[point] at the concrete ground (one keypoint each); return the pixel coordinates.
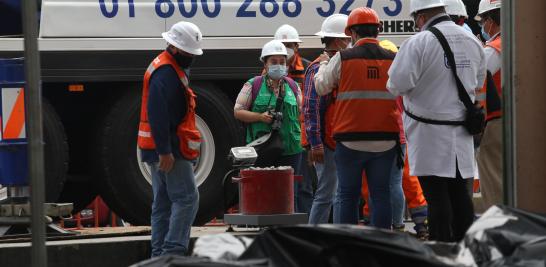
(105, 247)
(109, 246)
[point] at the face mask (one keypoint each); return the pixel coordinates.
(276, 72)
(350, 45)
(485, 35)
(290, 52)
(183, 61)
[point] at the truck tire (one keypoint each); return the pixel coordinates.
(79, 190)
(216, 114)
(126, 182)
(55, 153)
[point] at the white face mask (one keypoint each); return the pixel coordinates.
(276, 71)
(350, 45)
(290, 52)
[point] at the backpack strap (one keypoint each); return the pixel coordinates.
(292, 84)
(256, 84)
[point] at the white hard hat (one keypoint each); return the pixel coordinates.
(486, 6)
(272, 48)
(456, 8)
(418, 5)
(185, 36)
(287, 34)
(334, 26)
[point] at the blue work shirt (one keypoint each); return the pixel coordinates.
(167, 106)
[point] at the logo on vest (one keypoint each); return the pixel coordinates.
(373, 73)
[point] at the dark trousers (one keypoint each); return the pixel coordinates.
(291, 161)
(450, 209)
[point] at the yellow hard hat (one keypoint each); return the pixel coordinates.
(389, 45)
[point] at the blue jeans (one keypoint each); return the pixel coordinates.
(397, 193)
(326, 187)
(350, 166)
(175, 204)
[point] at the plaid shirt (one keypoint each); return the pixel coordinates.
(314, 109)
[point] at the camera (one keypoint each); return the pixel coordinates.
(277, 119)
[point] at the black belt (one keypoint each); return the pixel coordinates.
(431, 121)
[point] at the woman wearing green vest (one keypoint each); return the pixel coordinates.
(255, 101)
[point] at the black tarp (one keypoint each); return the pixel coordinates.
(505, 236)
(340, 246)
(501, 237)
(179, 261)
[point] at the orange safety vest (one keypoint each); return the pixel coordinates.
(188, 135)
(497, 111)
(297, 68)
(328, 116)
(365, 109)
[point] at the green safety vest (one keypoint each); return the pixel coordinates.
(290, 128)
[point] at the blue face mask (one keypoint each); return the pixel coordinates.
(276, 72)
(485, 35)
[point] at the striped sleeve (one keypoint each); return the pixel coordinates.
(311, 109)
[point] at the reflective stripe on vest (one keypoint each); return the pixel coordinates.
(368, 95)
(365, 109)
(187, 133)
(145, 134)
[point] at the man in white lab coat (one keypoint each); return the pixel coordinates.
(442, 156)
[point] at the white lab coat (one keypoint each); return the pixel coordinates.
(420, 74)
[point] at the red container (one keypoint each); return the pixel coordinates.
(266, 192)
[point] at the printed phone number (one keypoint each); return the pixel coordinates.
(266, 8)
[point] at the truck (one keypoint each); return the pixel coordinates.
(94, 54)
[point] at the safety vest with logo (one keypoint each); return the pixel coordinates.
(188, 135)
(495, 110)
(365, 109)
(328, 138)
(290, 128)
